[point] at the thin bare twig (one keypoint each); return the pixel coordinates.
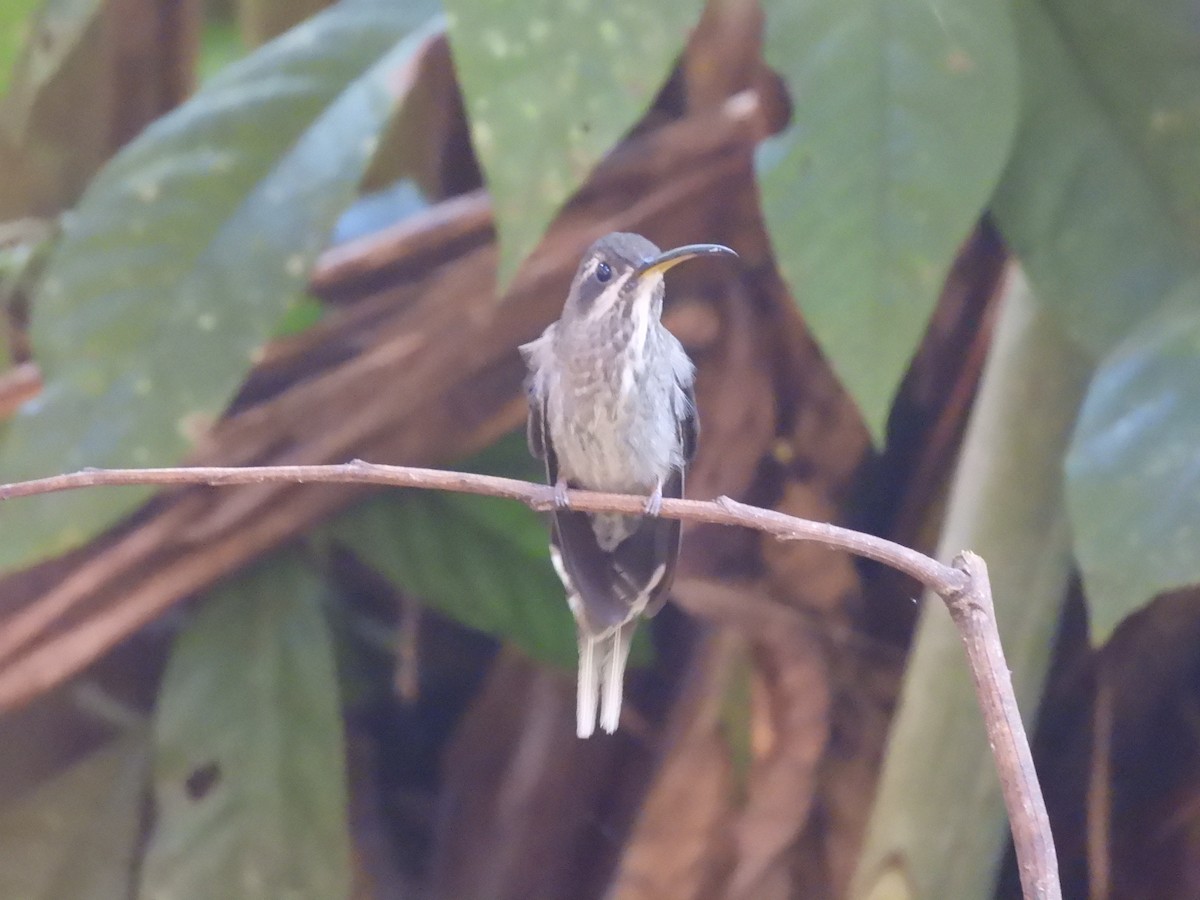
(975, 618)
(964, 587)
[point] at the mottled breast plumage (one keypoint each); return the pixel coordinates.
(613, 419)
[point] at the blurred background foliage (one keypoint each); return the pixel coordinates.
(972, 245)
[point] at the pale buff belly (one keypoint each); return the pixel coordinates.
(608, 442)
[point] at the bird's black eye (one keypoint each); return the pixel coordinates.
(603, 272)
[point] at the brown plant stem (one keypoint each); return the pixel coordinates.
(964, 587)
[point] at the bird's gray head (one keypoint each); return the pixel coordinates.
(622, 274)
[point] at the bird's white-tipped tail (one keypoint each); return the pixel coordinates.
(602, 660)
(587, 696)
(613, 675)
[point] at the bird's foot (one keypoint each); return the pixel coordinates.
(561, 500)
(654, 501)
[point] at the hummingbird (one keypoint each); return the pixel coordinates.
(612, 408)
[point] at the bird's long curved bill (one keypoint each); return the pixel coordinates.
(664, 261)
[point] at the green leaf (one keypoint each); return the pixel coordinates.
(250, 782)
(1133, 471)
(903, 112)
(184, 254)
(47, 43)
(550, 87)
(16, 19)
(1142, 63)
(479, 560)
(1094, 200)
(56, 118)
(220, 42)
(304, 312)
(76, 835)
